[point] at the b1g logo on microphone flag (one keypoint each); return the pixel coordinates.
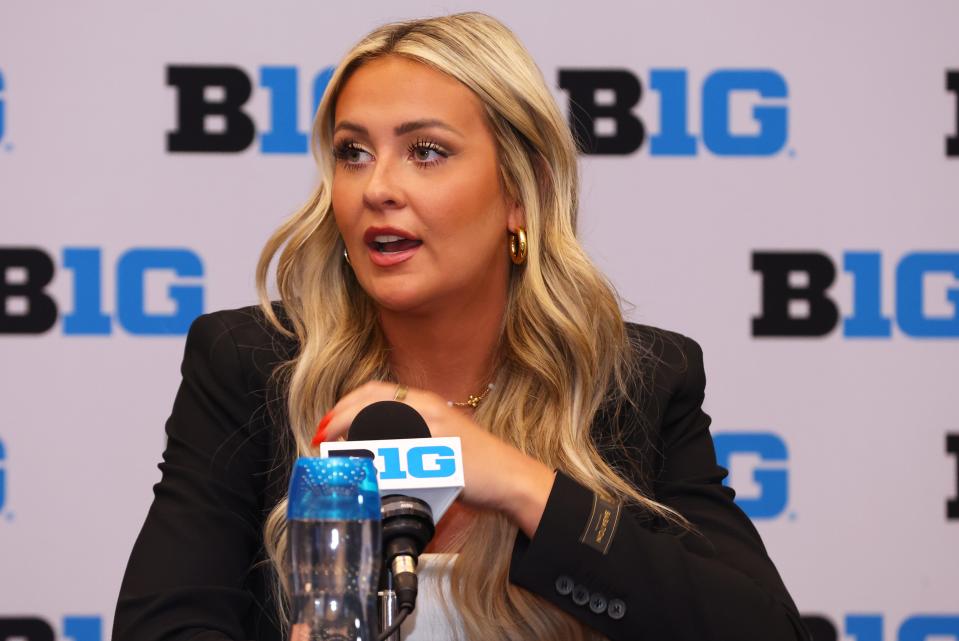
(601, 104)
(430, 469)
(425, 462)
(795, 299)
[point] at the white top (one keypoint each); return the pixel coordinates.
(431, 621)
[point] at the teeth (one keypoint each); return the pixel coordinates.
(387, 239)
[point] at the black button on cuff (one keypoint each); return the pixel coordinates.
(564, 585)
(597, 604)
(580, 595)
(616, 609)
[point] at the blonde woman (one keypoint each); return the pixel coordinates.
(437, 261)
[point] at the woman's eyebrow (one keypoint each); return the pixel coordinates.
(349, 126)
(399, 130)
(407, 127)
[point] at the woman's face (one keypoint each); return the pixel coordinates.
(416, 190)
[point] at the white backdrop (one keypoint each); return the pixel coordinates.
(862, 529)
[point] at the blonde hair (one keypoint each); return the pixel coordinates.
(564, 347)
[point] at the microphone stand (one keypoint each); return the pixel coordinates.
(388, 607)
(407, 529)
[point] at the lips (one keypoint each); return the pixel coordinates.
(390, 245)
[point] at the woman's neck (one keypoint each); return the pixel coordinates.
(450, 351)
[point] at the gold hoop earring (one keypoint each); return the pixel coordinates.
(346, 256)
(518, 249)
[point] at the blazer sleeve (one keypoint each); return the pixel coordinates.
(186, 575)
(610, 568)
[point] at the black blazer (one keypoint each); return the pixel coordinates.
(197, 570)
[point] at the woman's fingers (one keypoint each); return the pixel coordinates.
(497, 475)
(337, 421)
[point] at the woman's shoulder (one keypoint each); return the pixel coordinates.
(248, 326)
(248, 323)
(242, 339)
(669, 380)
(664, 379)
(666, 362)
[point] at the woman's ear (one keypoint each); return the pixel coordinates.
(516, 217)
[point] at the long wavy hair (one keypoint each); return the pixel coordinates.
(564, 349)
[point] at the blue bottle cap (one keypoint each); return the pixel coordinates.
(339, 488)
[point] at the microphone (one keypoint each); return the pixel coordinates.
(387, 420)
(407, 521)
(419, 477)
(407, 460)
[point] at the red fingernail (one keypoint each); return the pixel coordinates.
(321, 429)
(318, 438)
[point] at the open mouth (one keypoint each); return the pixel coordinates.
(392, 244)
(387, 241)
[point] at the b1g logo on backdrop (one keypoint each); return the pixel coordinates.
(3, 481)
(952, 505)
(601, 104)
(211, 115)
(869, 627)
(796, 301)
(3, 114)
(26, 307)
(77, 628)
(952, 85)
(765, 494)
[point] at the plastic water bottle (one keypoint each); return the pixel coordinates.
(334, 549)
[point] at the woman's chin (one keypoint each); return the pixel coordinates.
(402, 300)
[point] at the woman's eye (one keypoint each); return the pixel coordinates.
(427, 153)
(351, 153)
(354, 155)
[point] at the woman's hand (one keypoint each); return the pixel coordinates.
(497, 475)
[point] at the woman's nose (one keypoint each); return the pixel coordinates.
(384, 190)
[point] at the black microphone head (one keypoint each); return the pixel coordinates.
(387, 420)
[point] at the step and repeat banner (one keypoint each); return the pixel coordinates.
(779, 181)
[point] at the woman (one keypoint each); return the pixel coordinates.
(437, 263)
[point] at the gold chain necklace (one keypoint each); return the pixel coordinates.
(472, 401)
